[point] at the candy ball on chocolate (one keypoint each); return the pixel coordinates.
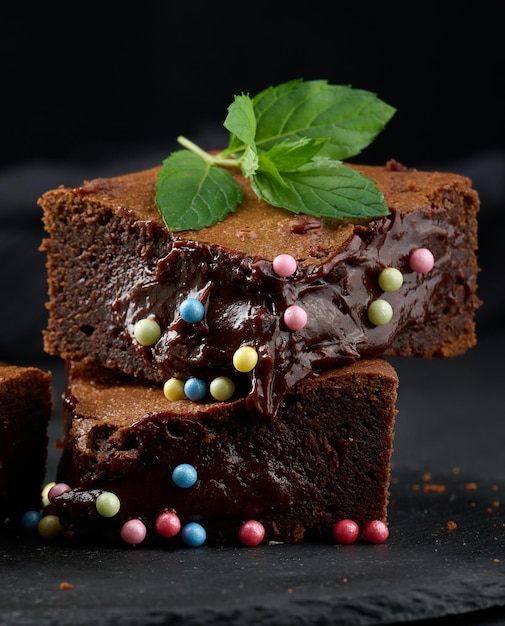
(380, 312)
(222, 388)
(147, 331)
(421, 260)
(390, 279)
(173, 389)
(107, 504)
(192, 310)
(295, 317)
(245, 359)
(195, 389)
(185, 475)
(284, 265)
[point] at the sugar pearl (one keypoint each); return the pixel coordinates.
(192, 310)
(174, 389)
(168, 524)
(421, 260)
(222, 388)
(133, 532)
(284, 265)
(346, 531)
(184, 475)
(245, 359)
(49, 527)
(380, 312)
(30, 521)
(295, 317)
(251, 533)
(195, 389)
(107, 504)
(56, 490)
(193, 534)
(147, 331)
(376, 531)
(44, 493)
(390, 279)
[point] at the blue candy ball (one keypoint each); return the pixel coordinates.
(192, 310)
(184, 475)
(195, 389)
(193, 534)
(30, 521)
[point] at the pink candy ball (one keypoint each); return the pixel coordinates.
(56, 490)
(133, 532)
(295, 317)
(421, 260)
(346, 531)
(376, 531)
(251, 533)
(168, 524)
(284, 265)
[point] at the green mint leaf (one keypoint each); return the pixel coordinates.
(249, 162)
(192, 194)
(348, 118)
(322, 188)
(241, 120)
(290, 155)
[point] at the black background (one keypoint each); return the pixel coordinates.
(85, 78)
(102, 89)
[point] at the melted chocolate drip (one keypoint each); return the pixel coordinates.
(244, 302)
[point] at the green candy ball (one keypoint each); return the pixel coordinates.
(107, 504)
(222, 388)
(147, 331)
(380, 312)
(390, 279)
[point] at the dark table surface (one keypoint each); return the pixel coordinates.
(448, 466)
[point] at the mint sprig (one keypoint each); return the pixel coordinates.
(289, 141)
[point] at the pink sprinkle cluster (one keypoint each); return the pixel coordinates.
(347, 531)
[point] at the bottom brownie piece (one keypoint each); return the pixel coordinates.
(25, 410)
(325, 457)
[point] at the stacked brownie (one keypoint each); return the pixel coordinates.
(248, 354)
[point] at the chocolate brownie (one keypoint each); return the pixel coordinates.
(111, 263)
(325, 457)
(25, 410)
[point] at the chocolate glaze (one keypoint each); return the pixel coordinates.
(244, 303)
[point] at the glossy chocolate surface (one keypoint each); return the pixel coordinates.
(244, 303)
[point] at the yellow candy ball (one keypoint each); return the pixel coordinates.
(147, 331)
(174, 389)
(49, 527)
(45, 492)
(245, 359)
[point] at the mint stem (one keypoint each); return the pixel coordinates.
(208, 158)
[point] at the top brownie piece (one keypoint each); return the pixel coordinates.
(111, 262)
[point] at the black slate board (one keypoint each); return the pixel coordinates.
(450, 415)
(423, 571)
